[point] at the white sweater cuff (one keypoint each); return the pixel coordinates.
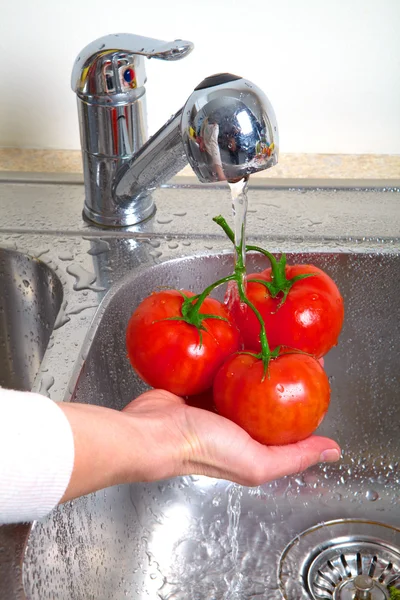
(36, 455)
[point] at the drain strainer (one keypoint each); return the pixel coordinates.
(349, 559)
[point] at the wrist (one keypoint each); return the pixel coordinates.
(102, 448)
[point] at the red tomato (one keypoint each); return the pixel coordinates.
(171, 354)
(310, 319)
(285, 407)
(204, 401)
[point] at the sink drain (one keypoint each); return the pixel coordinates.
(348, 559)
(333, 573)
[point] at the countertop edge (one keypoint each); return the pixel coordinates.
(182, 181)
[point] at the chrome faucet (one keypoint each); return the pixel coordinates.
(226, 130)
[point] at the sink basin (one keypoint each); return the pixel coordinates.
(30, 298)
(195, 538)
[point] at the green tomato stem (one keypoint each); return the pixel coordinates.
(279, 284)
(221, 221)
(394, 593)
(191, 305)
(278, 268)
(238, 277)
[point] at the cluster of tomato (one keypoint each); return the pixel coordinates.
(210, 352)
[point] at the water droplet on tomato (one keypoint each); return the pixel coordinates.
(280, 388)
(314, 297)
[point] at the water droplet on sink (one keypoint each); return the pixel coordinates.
(164, 220)
(300, 481)
(62, 318)
(66, 256)
(173, 245)
(180, 214)
(81, 308)
(155, 243)
(99, 246)
(371, 495)
(84, 279)
(45, 384)
(41, 252)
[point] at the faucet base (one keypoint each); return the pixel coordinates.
(137, 214)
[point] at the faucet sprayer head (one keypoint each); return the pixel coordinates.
(229, 129)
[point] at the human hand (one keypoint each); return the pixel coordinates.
(180, 439)
(158, 436)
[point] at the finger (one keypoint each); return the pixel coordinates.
(295, 458)
(257, 464)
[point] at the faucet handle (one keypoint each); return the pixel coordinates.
(113, 64)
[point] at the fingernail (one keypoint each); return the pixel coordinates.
(331, 455)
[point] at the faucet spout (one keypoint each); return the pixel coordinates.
(229, 129)
(226, 131)
(159, 159)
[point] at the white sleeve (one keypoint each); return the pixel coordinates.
(210, 136)
(36, 455)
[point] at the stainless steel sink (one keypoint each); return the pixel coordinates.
(30, 298)
(196, 538)
(193, 537)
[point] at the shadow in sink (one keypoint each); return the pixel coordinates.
(30, 298)
(177, 538)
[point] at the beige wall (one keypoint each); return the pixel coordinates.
(331, 68)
